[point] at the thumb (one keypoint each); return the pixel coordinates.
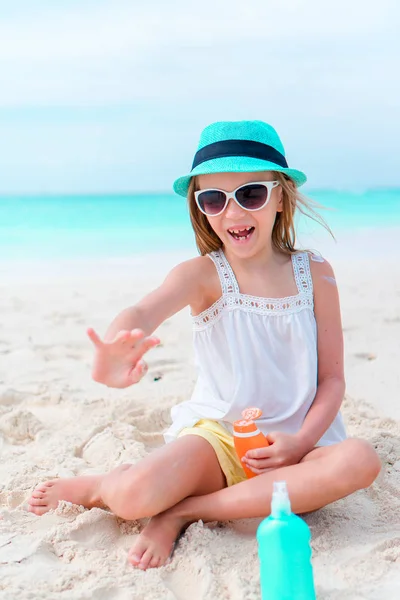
(272, 437)
(138, 372)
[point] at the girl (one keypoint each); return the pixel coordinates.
(267, 333)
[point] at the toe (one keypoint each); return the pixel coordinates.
(38, 494)
(38, 510)
(137, 551)
(46, 485)
(37, 502)
(135, 556)
(155, 562)
(146, 559)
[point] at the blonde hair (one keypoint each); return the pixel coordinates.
(283, 232)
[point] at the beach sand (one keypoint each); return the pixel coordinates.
(56, 422)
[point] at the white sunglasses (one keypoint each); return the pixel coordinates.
(251, 196)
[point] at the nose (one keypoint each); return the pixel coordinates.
(233, 210)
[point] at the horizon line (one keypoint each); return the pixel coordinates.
(59, 193)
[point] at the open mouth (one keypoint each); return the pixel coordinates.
(241, 235)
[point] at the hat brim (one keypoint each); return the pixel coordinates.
(235, 164)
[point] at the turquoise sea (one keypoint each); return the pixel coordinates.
(121, 225)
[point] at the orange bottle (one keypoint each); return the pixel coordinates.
(247, 436)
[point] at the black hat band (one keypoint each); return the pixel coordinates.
(239, 148)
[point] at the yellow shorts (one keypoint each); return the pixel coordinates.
(222, 442)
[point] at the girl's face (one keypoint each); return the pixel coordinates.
(245, 233)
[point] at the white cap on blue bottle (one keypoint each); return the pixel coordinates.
(280, 503)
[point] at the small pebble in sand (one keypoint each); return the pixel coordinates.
(366, 355)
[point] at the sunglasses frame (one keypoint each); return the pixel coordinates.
(270, 185)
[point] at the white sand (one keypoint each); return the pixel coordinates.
(55, 422)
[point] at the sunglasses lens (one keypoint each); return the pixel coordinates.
(252, 196)
(212, 201)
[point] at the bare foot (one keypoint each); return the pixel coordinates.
(156, 542)
(78, 490)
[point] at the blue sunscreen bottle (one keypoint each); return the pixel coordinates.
(284, 551)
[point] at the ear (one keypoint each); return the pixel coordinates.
(279, 204)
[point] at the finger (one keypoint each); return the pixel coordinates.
(150, 340)
(258, 453)
(121, 336)
(94, 337)
(136, 335)
(146, 345)
(138, 371)
(260, 463)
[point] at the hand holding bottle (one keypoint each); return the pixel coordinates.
(283, 450)
(118, 363)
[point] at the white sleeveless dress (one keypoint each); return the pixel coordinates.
(254, 351)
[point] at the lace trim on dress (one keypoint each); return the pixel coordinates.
(255, 304)
(302, 273)
(232, 299)
(229, 285)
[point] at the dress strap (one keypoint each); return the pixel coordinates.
(302, 273)
(229, 285)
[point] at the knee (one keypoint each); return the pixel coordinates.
(362, 462)
(129, 492)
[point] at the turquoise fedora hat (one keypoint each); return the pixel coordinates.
(238, 147)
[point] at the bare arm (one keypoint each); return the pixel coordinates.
(288, 449)
(331, 382)
(118, 360)
(180, 287)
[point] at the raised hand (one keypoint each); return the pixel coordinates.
(119, 363)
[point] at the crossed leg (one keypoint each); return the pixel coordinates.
(183, 482)
(323, 476)
(186, 467)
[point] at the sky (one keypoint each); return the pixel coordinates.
(103, 96)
